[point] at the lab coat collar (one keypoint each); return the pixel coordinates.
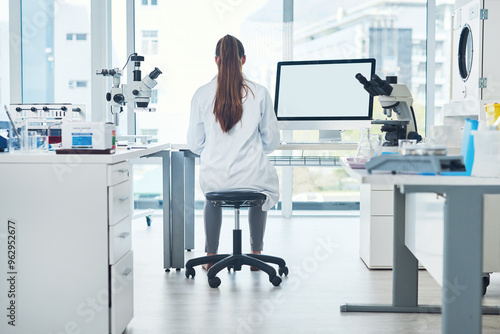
(244, 77)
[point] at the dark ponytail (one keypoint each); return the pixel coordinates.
(231, 86)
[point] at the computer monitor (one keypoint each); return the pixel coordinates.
(323, 94)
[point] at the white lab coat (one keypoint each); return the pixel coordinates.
(236, 161)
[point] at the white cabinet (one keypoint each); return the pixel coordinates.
(376, 225)
(71, 266)
(425, 229)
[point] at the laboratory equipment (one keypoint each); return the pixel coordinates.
(138, 92)
(365, 150)
(492, 115)
(475, 74)
(34, 135)
(423, 150)
(88, 138)
(323, 95)
(486, 153)
(43, 120)
(4, 136)
(475, 70)
(395, 98)
(396, 163)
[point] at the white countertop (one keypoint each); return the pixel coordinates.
(412, 179)
(121, 154)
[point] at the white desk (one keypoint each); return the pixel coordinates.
(183, 183)
(463, 252)
(71, 263)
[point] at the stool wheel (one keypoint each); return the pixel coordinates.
(214, 282)
(190, 272)
(486, 283)
(283, 271)
(276, 280)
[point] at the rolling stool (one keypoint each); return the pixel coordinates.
(237, 199)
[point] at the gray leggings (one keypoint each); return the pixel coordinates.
(213, 221)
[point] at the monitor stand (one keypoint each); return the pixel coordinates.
(330, 135)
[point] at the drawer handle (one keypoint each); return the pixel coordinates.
(124, 198)
(127, 272)
(123, 171)
(124, 235)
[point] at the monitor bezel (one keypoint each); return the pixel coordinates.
(323, 118)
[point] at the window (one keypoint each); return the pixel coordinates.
(77, 37)
(4, 57)
(77, 84)
(154, 96)
(47, 59)
(149, 2)
(149, 42)
(150, 132)
(81, 37)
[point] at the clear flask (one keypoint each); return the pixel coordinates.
(365, 150)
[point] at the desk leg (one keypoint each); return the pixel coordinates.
(177, 199)
(405, 264)
(167, 235)
(167, 260)
(189, 200)
(462, 268)
(404, 272)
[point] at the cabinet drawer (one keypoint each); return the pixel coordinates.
(120, 239)
(122, 293)
(118, 173)
(118, 202)
(382, 203)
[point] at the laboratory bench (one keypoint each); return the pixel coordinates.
(183, 185)
(467, 204)
(65, 235)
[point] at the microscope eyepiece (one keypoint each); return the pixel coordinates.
(382, 86)
(377, 80)
(155, 73)
(361, 79)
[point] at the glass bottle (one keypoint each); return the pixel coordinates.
(365, 150)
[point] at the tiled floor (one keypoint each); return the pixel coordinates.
(325, 272)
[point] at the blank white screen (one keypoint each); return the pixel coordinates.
(323, 90)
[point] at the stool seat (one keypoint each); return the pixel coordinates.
(237, 199)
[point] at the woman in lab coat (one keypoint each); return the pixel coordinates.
(232, 127)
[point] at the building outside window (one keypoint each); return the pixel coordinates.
(77, 84)
(76, 37)
(149, 42)
(48, 60)
(149, 2)
(4, 57)
(154, 96)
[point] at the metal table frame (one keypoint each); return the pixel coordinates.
(463, 258)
